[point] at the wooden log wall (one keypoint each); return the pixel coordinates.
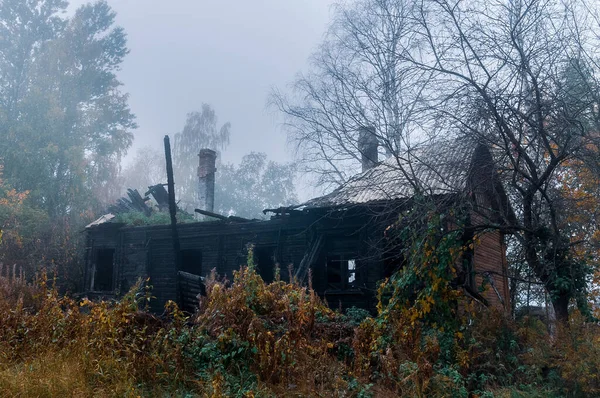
(146, 251)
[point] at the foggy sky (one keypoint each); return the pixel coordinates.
(227, 53)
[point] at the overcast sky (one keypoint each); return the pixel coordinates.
(227, 53)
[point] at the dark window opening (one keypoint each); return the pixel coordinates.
(191, 261)
(264, 260)
(342, 272)
(103, 278)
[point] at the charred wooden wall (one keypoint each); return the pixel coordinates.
(147, 252)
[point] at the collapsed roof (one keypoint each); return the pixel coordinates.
(437, 168)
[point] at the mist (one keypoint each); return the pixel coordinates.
(224, 53)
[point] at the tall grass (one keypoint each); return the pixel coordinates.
(250, 338)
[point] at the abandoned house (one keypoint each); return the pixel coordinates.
(339, 236)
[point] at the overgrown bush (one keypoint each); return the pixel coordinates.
(250, 338)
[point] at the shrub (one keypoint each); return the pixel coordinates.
(250, 338)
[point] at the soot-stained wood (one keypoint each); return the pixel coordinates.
(347, 253)
(222, 245)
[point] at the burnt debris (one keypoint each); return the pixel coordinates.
(132, 202)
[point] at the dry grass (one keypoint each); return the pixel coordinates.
(255, 339)
(70, 375)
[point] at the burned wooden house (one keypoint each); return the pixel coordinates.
(340, 236)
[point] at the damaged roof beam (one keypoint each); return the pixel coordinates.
(221, 217)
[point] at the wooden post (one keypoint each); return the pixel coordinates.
(173, 214)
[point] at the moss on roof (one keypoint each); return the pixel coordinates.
(136, 218)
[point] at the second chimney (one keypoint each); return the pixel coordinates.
(206, 179)
(368, 147)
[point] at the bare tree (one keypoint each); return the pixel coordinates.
(357, 85)
(519, 75)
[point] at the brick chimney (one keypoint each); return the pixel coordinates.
(206, 179)
(368, 147)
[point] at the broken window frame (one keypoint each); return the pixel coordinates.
(348, 273)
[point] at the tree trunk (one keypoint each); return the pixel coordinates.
(561, 308)
(560, 299)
